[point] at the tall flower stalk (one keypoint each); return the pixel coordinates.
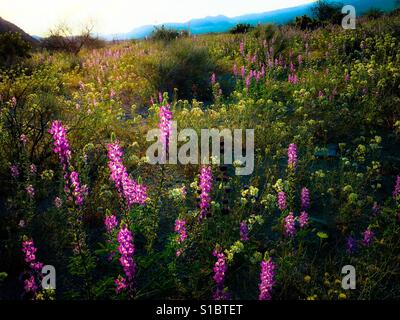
(165, 126)
(396, 190)
(129, 190)
(267, 279)
(282, 201)
(289, 225)
(292, 155)
(127, 249)
(76, 194)
(180, 229)
(220, 268)
(31, 284)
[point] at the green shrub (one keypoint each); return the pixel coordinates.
(13, 49)
(164, 34)
(183, 66)
(241, 28)
(326, 12)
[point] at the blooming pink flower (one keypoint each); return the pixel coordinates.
(290, 229)
(28, 248)
(127, 249)
(61, 144)
(33, 169)
(368, 237)
(205, 188)
(282, 201)
(242, 48)
(111, 223)
(165, 126)
(23, 138)
(303, 219)
(127, 188)
(220, 268)
(57, 202)
(213, 79)
(180, 228)
(30, 191)
(14, 171)
(292, 155)
(14, 101)
(244, 231)
(305, 198)
(267, 279)
(396, 190)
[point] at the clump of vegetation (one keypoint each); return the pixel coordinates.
(184, 66)
(13, 49)
(241, 28)
(165, 34)
(62, 38)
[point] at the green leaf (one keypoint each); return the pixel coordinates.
(322, 235)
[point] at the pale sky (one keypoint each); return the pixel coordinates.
(114, 16)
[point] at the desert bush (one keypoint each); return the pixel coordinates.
(13, 49)
(327, 12)
(241, 28)
(61, 38)
(166, 34)
(183, 66)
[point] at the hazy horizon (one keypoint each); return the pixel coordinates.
(123, 15)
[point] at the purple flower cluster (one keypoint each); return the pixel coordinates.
(180, 228)
(30, 190)
(205, 188)
(78, 191)
(292, 155)
(127, 188)
(14, 171)
(267, 278)
(62, 148)
(303, 219)
(244, 231)
(350, 245)
(213, 79)
(289, 224)
(23, 138)
(293, 79)
(282, 201)
(28, 248)
(127, 249)
(57, 202)
(33, 169)
(305, 198)
(396, 191)
(242, 48)
(220, 268)
(376, 209)
(111, 223)
(61, 144)
(368, 237)
(165, 126)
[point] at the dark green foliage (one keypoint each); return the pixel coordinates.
(13, 49)
(327, 12)
(166, 34)
(241, 28)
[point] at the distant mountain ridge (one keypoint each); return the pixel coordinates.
(222, 23)
(6, 26)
